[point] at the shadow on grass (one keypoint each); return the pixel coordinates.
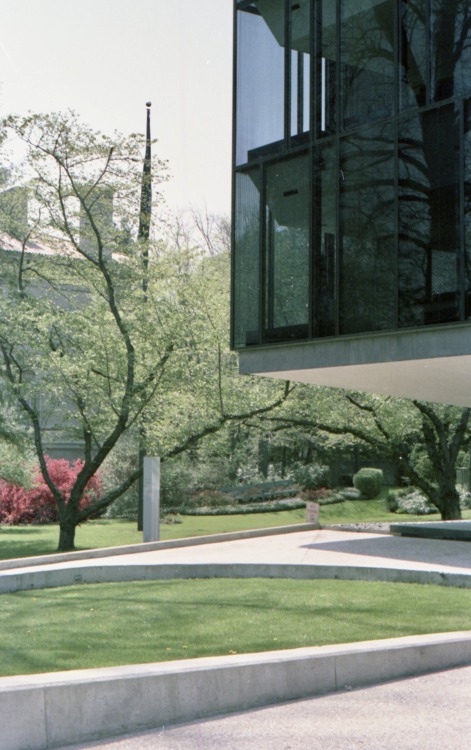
(23, 542)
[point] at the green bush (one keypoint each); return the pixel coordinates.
(410, 501)
(242, 510)
(465, 498)
(349, 493)
(312, 477)
(392, 502)
(368, 482)
(262, 491)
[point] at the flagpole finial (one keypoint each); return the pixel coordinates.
(148, 105)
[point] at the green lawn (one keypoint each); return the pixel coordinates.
(129, 623)
(25, 541)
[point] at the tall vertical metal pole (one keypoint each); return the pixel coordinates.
(145, 216)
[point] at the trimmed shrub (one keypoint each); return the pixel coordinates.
(236, 510)
(349, 493)
(261, 492)
(368, 482)
(410, 501)
(20, 505)
(465, 498)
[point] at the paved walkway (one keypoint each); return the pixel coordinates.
(313, 547)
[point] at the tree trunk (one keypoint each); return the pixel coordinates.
(263, 457)
(450, 505)
(66, 536)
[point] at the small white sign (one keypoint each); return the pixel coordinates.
(312, 512)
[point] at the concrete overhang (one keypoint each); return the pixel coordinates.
(432, 364)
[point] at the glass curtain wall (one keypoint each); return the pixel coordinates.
(353, 162)
(325, 190)
(367, 41)
(367, 231)
(429, 217)
(466, 275)
(260, 95)
(287, 243)
(246, 261)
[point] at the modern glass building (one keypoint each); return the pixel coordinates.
(352, 194)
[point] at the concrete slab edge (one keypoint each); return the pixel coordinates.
(130, 549)
(41, 712)
(11, 581)
(457, 531)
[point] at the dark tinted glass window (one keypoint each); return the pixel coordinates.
(246, 279)
(451, 47)
(413, 36)
(287, 249)
(368, 259)
(300, 31)
(467, 210)
(367, 61)
(326, 67)
(429, 217)
(326, 180)
(260, 78)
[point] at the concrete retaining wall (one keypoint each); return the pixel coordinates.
(49, 711)
(50, 578)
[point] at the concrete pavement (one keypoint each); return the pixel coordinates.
(309, 553)
(303, 544)
(67, 707)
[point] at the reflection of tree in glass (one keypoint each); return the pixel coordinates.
(291, 280)
(367, 254)
(434, 67)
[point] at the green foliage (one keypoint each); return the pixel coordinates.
(312, 476)
(425, 441)
(120, 463)
(410, 501)
(273, 506)
(465, 498)
(113, 334)
(368, 482)
(248, 493)
(350, 493)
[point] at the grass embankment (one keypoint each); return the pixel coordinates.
(25, 541)
(83, 626)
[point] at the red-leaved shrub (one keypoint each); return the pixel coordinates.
(19, 505)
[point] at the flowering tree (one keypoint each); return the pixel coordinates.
(101, 331)
(37, 504)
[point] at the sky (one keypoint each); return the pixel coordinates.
(106, 58)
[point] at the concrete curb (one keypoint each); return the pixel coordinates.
(131, 549)
(11, 581)
(457, 531)
(46, 711)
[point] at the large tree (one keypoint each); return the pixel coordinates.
(424, 440)
(101, 332)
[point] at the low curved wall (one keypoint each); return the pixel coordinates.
(17, 580)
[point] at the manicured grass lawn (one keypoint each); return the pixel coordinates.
(25, 541)
(111, 624)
